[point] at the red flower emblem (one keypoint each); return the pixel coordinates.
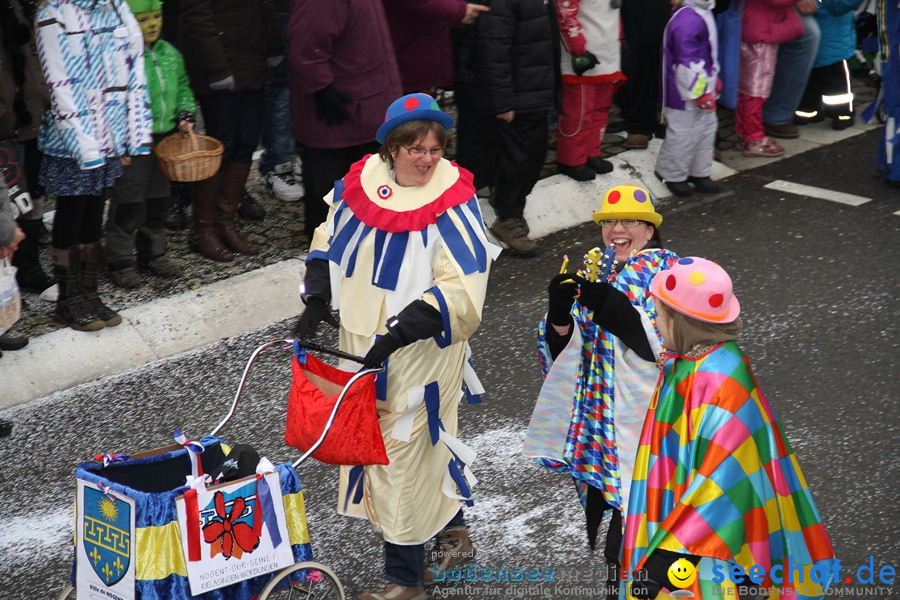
(227, 536)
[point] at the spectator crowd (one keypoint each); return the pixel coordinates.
(88, 88)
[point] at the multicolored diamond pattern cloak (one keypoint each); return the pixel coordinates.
(716, 477)
(590, 453)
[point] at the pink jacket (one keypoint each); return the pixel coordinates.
(770, 22)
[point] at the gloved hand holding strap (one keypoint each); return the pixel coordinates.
(418, 321)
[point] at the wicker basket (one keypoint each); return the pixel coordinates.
(188, 156)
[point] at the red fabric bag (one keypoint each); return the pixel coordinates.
(354, 437)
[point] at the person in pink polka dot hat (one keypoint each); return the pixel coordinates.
(711, 452)
(698, 288)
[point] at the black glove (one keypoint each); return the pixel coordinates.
(418, 321)
(583, 63)
(643, 587)
(561, 291)
(316, 312)
(593, 294)
(330, 107)
(616, 314)
(379, 351)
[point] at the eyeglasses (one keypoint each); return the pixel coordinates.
(626, 223)
(419, 151)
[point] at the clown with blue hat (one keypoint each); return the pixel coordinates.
(412, 107)
(403, 256)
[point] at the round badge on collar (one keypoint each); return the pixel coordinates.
(385, 192)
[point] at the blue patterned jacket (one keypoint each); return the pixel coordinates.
(91, 53)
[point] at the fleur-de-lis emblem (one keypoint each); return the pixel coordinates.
(108, 572)
(118, 565)
(95, 555)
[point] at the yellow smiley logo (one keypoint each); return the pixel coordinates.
(682, 573)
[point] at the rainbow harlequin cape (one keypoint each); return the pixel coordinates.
(716, 477)
(588, 417)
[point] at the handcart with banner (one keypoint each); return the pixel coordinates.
(151, 525)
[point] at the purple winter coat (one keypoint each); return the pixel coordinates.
(690, 65)
(420, 30)
(345, 43)
(770, 22)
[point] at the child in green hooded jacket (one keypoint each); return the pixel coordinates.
(141, 196)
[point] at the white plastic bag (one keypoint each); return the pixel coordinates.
(10, 299)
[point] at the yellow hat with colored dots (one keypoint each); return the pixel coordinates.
(628, 202)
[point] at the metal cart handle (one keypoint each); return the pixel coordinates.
(288, 345)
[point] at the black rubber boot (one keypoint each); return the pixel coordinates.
(176, 218)
(250, 209)
(31, 276)
(578, 173)
(599, 165)
(680, 188)
(705, 185)
(13, 341)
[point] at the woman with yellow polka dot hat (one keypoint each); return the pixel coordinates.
(712, 454)
(598, 346)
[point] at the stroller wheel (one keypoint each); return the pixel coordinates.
(67, 593)
(304, 581)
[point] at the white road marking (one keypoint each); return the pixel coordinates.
(897, 213)
(815, 192)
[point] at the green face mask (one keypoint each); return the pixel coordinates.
(151, 25)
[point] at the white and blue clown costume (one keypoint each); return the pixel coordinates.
(388, 247)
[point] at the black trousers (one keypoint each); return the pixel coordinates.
(641, 91)
(508, 156)
(235, 119)
(405, 565)
(594, 510)
(321, 168)
(827, 91)
(644, 22)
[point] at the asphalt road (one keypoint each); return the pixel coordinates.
(818, 282)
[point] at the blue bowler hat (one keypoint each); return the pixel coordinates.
(411, 107)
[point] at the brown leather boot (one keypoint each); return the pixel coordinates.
(234, 176)
(452, 548)
(71, 307)
(203, 238)
(93, 257)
